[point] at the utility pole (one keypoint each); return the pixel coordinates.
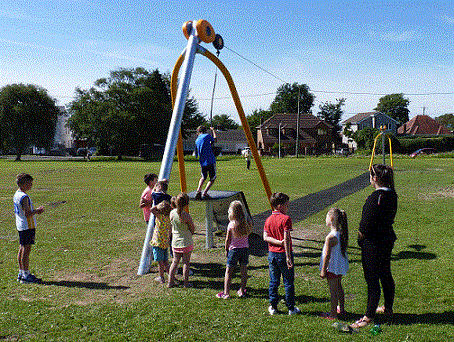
(298, 123)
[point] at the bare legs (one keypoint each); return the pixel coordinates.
(186, 257)
(337, 295)
(23, 256)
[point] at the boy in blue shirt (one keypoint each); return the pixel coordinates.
(204, 144)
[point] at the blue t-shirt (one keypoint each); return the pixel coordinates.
(205, 150)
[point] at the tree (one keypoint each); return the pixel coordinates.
(395, 106)
(446, 120)
(224, 122)
(256, 118)
(192, 118)
(28, 116)
(332, 113)
(129, 108)
(286, 100)
(365, 137)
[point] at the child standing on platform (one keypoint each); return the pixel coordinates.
(280, 254)
(334, 261)
(161, 238)
(182, 245)
(236, 247)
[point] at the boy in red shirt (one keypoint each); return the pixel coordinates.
(280, 254)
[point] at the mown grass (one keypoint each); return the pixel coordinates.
(88, 252)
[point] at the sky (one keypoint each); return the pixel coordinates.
(357, 50)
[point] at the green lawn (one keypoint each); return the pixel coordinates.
(88, 251)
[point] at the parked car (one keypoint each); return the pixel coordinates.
(427, 150)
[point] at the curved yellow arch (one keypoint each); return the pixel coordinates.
(375, 145)
(239, 107)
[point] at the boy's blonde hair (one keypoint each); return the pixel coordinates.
(238, 213)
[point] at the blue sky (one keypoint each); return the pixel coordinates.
(359, 50)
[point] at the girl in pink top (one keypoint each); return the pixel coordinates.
(236, 247)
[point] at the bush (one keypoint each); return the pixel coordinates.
(440, 143)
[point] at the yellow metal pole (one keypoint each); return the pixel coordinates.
(180, 154)
(390, 151)
(373, 151)
(243, 119)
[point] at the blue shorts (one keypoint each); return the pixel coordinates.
(160, 254)
(27, 237)
(209, 170)
(240, 255)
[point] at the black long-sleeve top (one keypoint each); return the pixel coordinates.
(378, 217)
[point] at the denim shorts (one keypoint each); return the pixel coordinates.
(240, 255)
(160, 254)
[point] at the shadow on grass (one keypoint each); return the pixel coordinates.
(306, 206)
(83, 284)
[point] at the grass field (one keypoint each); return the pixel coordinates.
(88, 251)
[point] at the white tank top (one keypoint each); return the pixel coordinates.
(338, 264)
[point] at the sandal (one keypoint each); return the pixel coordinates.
(361, 323)
(223, 295)
(383, 310)
(242, 294)
(339, 311)
(326, 315)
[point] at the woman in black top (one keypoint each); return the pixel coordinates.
(376, 238)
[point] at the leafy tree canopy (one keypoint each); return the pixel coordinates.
(28, 116)
(224, 122)
(129, 108)
(286, 100)
(446, 120)
(332, 113)
(395, 106)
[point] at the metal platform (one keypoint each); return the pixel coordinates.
(216, 210)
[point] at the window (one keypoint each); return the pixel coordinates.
(322, 131)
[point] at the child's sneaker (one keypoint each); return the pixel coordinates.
(272, 311)
(29, 279)
(19, 277)
(295, 311)
(223, 295)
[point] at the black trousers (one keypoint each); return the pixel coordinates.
(376, 262)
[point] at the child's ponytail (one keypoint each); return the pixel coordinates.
(343, 223)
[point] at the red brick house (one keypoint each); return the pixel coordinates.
(314, 136)
(422, 125)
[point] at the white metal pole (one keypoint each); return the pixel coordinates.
(172, 137)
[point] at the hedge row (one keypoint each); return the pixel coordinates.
(411, 144)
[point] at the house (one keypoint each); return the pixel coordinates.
(422, 125)
(230, 142)
(63, 134)
(314, 135)
(368, 119)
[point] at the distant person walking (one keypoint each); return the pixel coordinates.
(204, 144)
(376, 238)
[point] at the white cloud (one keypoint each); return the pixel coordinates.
(394, 36)
(448, 19)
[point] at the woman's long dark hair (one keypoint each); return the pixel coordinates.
(384, 174)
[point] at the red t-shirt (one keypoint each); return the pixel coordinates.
(275, 226)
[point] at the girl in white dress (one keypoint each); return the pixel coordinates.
(334, 261)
